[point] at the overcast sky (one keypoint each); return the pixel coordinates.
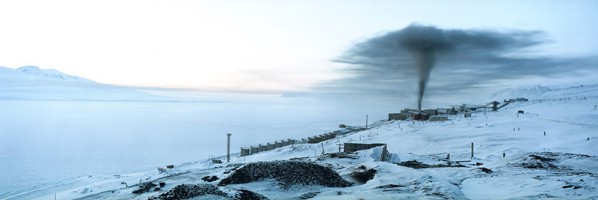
(256, 46)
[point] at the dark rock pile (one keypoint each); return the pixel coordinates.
(363, 175)
(249, 195)
(419, 165)
(486, 170)
(186, 191)
(144, 187)
(210, 178)
(287, 173)
(415, 164)
(537, 162)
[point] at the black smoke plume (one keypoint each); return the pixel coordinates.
(423, 43)
(466, 56)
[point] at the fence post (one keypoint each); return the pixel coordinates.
(472, 150)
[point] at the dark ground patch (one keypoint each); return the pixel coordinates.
(546, 160)
(486, 170)
(419, 165)
(144, 187)
(538, 161)
(363, 175)
(210, 178)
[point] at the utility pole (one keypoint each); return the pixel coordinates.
(228, 147)
(366, 121)
(472, 150)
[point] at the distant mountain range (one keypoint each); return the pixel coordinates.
(34, 83)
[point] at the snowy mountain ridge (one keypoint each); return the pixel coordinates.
(30, 75)
(47, 73)
(34, 83)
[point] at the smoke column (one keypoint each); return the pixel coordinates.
(423, 43)
(414, 51)
(424, 59)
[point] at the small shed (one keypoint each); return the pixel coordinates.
(397, 116)
(245, 151)
(353, 147)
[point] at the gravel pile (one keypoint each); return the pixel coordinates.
(210, 178)
(287, 173)
(544, 160)
(144, 187)
(249, 195)
(186, 191)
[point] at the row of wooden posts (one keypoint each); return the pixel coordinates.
(245, 151)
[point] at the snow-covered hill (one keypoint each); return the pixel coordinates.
(530, 92)
(34, 83)
(548, 151)
(547, 93)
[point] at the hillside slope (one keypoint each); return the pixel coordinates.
(549, 151)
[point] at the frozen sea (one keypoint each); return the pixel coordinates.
(47, 141)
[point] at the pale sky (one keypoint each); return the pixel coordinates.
(251, 46)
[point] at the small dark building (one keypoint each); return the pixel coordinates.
(520, 112)
(438, 118)
(430, 112)
(396, 116)
(421, 117)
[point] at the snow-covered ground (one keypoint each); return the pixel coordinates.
(550, 151)
(66, 137)
(55, 126)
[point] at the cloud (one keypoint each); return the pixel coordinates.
(402, 62)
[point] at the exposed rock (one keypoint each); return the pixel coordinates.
(363, 175)
(486, 170)
(186, 191)
(537, 162)
(414, 164)
(419, 165)
(389, 186)
(287, 173)
(249, 195)
(575, 187)
(210, 178)
(309, 195)
(144, 187)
